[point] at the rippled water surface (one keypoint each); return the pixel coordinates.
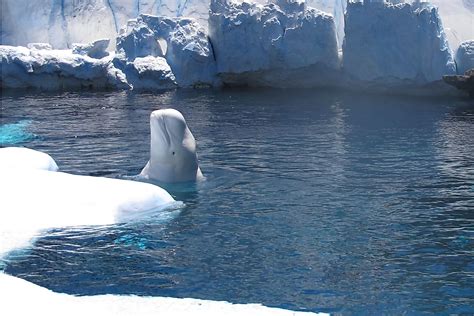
(313, 201)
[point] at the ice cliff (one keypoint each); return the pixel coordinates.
(270, 44)
(386, 43)
(284, 43)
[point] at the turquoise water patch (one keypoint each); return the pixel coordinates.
(15, 133)
(132, 240)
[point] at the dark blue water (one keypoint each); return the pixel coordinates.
(313, 201)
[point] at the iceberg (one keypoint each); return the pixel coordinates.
(276, 44)
(387, 43)
(465, 57)
(183, 42)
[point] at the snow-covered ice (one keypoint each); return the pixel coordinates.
(96, 49)
(40, 46)
(57, 69)
(43, 199)
(42, 301)
(48, 69)
(36, 200)
(389, 43)
(36, 197)
(147, 73)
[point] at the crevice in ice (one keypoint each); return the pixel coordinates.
(113, 15)
(181, 7)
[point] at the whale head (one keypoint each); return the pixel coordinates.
(173, 155)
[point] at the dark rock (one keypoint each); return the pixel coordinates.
(462, 82)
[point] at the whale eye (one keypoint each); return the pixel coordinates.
(173, 153)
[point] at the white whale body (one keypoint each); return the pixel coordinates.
(173, 155)
(25, 158)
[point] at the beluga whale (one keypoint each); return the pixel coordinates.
(173, 155)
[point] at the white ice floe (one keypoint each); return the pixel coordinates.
(20, 158)
(43, 199)
(36, 200)
(404, 42)
(465, 56)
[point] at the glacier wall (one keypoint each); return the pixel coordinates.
(63, 22)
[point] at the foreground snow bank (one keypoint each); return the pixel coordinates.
(41, 301)
(390, 43)
(268, 44)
